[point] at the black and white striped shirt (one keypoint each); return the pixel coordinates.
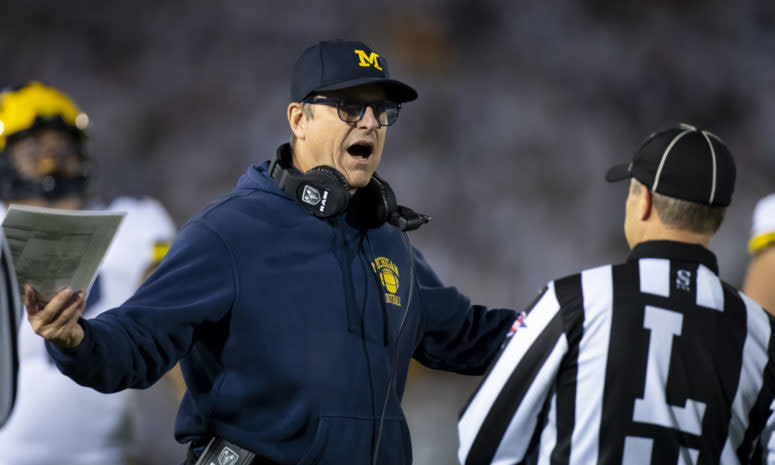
(654, 361)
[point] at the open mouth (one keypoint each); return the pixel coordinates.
(360, 149)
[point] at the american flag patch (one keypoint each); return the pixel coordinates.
(518, 323)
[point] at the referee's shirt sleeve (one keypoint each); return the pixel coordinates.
(498, 423)
(768, 439)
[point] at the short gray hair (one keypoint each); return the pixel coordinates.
(683, 214)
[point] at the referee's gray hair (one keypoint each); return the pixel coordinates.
(683, 214)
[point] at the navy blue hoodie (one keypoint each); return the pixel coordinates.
(285, 325)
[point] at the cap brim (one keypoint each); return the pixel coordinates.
(618, 173)
(395, 91)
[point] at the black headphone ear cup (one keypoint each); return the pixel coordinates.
(323, 191)
(386, 203)
(372, 205)
(332, 175)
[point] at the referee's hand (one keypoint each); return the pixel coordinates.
(56, 320)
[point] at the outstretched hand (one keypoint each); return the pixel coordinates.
(57, 319)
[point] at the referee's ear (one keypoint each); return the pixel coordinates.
(646, 204)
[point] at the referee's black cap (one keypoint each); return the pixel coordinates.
(340, 64)
(685, 163)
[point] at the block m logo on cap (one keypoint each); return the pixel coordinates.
(367, 61)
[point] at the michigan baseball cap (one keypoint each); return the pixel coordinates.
(685, 163)
(339, 64)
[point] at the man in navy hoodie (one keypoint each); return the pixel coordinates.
(295, 302)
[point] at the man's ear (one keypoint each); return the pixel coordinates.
(296, 119)
(645, 204)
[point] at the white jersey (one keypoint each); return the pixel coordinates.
(54, 419)
(763, 229)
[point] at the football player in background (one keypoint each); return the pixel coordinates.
(760, 278)
(43, 163)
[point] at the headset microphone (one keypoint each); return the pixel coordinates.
(406, 219)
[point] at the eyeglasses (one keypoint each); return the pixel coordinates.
(386, 112)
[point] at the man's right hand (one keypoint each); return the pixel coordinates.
(56, 320)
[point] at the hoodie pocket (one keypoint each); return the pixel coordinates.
(390, 452)
(315, 452)
(347, 440)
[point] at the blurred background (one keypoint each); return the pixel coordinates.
(523, 106)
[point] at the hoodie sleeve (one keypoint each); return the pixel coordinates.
(133, 345)
(457, 336)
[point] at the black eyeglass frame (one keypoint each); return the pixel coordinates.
(338, 103)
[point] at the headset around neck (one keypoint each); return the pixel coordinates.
(324, 192)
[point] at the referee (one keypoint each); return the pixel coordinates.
(653, 361)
